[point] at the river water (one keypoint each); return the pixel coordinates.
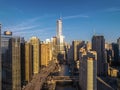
(64, 85)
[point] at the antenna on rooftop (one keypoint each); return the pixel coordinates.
(60, 16)
(94, 32)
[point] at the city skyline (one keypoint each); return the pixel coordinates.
(81, 19)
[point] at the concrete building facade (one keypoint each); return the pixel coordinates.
(45, 53)
(28, 62)
(118, 42)
(15, 67)
(35, 42)
(98, 45)
(76, 45)
(88, 70)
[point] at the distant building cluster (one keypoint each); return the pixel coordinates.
(21, 59)
(96, 62)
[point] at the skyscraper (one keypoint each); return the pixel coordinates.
(88, 70)
(22, 57)
(98, 45)
(59, 27)
(15, 64)
(118, 42)
(76, 44)
(60, 40)
(115, 48)
(60, 37)
(45, 53)
(5, 62)
(28, 62)
(34, 41)
(0, 62)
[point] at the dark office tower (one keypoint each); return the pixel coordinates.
(6, 71)
(0, 62)
(118, 42)
(98, 45)
(15, 68)
(22, 55)
(115, 48)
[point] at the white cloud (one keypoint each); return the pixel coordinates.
(28, 24)
(35, 31)
(75, 16)
(25, 25)
(113, 9)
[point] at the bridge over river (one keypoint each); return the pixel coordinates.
(65, 78)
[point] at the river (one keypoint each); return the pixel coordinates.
(64, 85)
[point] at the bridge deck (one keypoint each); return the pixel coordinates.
(65, 78)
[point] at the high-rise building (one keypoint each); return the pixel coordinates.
(54, 48)
(115, 49)
(88, 70)
(54, 40)
(34, 41)
(45, 53)
(118, 42)
(88, 45)
(5, 62)
(76, 44)
(60, 41)
(22, 57)
(60, 37)
(28, 62)
(0, 62)
(15, 65)
(98, 45)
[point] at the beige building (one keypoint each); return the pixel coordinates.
(113, 72)
(54, 47)
(54, 40)
(35, 42)
(76, 47)
(45, 53)
(88, 45)
(88, 70)
(28, 62)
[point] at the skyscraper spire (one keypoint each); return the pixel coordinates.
(60, 16)
(94, 32)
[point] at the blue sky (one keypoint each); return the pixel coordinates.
(81, 18)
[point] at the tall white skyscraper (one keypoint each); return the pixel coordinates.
(60, 37)
(59, 27)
